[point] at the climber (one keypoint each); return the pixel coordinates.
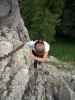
(40, 50)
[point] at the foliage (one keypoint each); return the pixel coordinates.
(64, 49)
(41, 17)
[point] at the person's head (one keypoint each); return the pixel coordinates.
(39, 46)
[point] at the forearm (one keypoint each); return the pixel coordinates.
(41, 59)
(44, 59)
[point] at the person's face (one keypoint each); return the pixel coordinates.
(40, 46)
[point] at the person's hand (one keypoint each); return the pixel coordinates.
(31, 56)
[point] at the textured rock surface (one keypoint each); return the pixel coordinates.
(19, 80)
(11, 21)
(50, 83)
(14, 73)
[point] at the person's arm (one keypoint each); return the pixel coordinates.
(44, 59)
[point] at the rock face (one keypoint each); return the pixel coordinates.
(19, 80)
(10, 19)
(13, 71)
(50, 82)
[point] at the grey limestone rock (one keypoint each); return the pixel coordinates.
(19, 80)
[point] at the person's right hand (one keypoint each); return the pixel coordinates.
(31, 56)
